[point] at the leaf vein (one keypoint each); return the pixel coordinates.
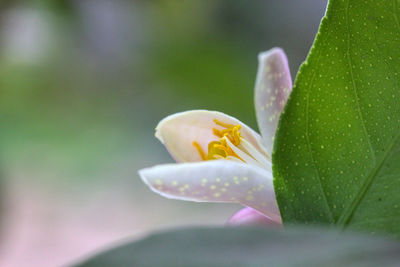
(354, 86)
(396, 17)
(348, 214)
(311, 152)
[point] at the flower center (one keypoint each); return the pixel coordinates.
(231, 146)
(220, 149)
(231, 132)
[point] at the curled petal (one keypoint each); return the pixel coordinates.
(178, 131)
(249, 216)
(215, 181)
(273, 86)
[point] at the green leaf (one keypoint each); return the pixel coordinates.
(250, 247)
(337, 149)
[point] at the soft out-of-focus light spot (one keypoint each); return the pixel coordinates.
(25, 35)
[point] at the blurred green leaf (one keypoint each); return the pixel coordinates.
(212, 75)
(241, 246)
(338, 144)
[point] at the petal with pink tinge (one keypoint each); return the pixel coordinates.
(272, 89)
(215, 181)
(249, 216)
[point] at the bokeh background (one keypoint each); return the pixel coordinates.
(82, 86)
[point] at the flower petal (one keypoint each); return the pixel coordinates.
(215, 181)
(249, 216)
(273, 86)
(178, 131)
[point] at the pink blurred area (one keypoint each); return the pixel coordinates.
(249, 216)
(55, 225)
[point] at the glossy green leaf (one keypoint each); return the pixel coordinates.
(250, 247)
(337, 150)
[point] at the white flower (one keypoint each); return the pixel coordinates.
(220, 159)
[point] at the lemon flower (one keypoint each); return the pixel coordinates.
(221, 159)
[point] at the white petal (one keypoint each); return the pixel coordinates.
(178, 131)
(215, 181)
(273, 86)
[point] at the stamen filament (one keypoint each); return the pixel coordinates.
(243, 155)
(200, 150)
(223, 124)
(251, 150)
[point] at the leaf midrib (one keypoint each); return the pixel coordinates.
(347, 215)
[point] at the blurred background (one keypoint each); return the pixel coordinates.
(82, 86)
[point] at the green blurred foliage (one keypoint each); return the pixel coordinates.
(91, 79)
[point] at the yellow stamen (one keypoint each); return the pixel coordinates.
(215, 150)
(223, 124)
(200, 150)
(217, 133)
(220, 149)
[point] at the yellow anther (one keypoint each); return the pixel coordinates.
(231, 132)
(220, 149)
(223, 124)
(217, 133)
(214, 152)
